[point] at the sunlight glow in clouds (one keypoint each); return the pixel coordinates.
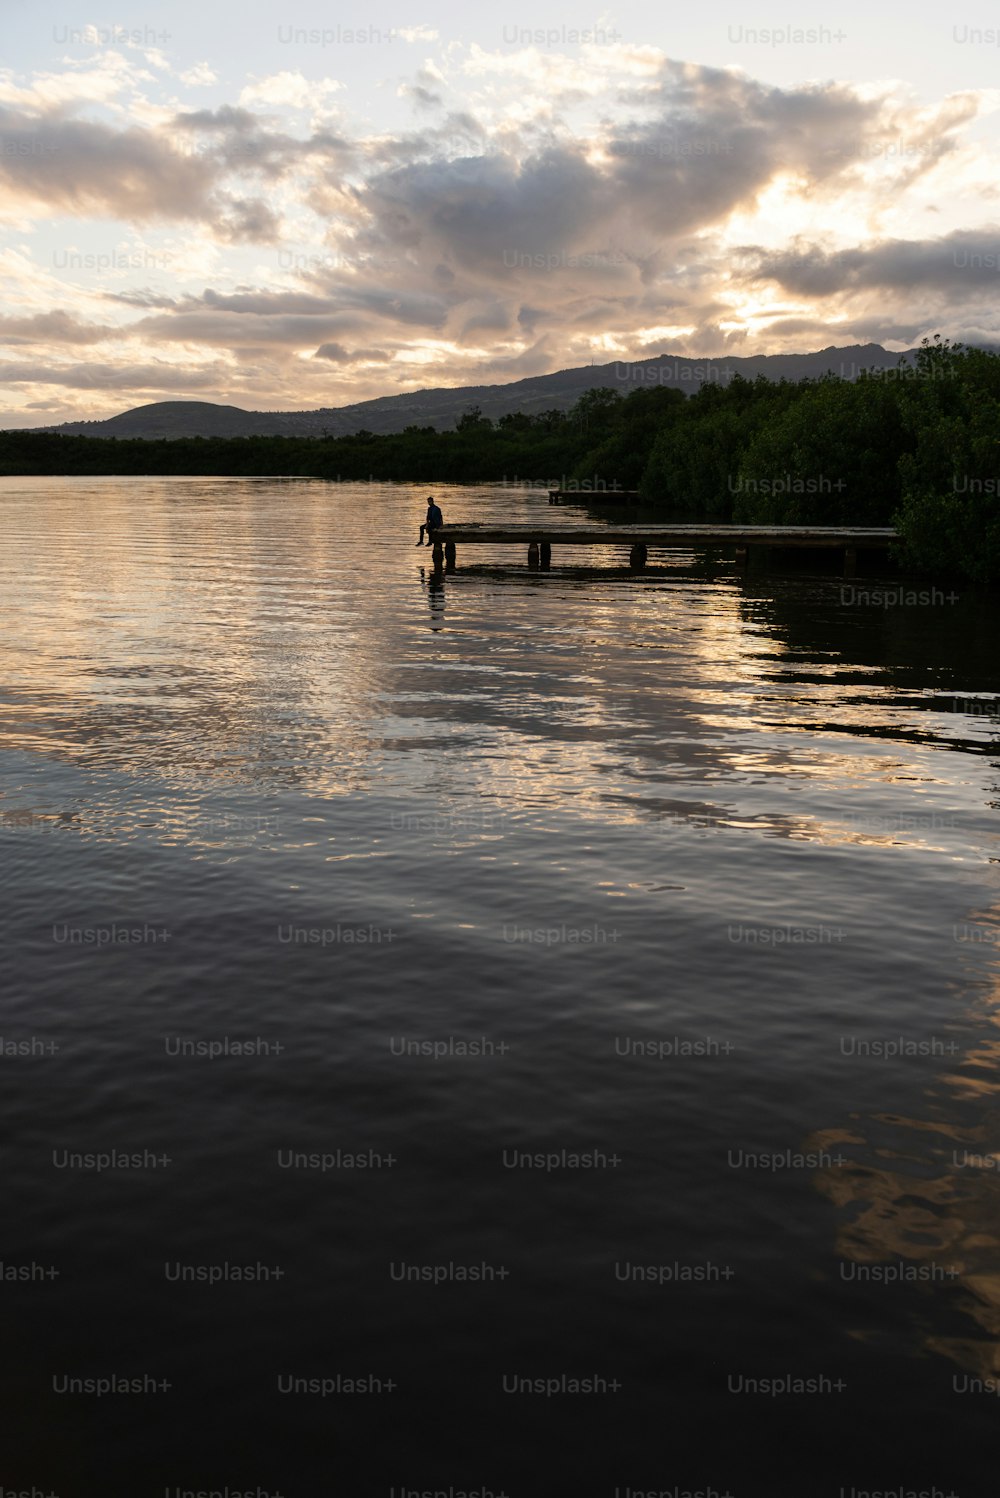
(427, 210)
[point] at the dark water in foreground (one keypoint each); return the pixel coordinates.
(700, 872)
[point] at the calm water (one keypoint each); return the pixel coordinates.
(699, 872)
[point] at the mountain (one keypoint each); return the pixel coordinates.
(442, 408)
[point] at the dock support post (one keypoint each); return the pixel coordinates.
(637, 557)
(449, 554)
(545, 555)
(533, 554)
(438, 556)
(742, 558)
(850, 561)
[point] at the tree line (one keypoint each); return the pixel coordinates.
(916, 446)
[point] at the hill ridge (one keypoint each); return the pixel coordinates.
(441, 406)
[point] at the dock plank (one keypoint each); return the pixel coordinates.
(667, 536)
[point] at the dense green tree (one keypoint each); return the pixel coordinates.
(595, 408)
(473, 420)
(830, 457)
(694, 459)
(949, 513)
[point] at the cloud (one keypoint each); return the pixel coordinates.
(140, 297)
(337, 354)
(621, 200)
(293, 90)
(225, 119)
(97, 81)
(250, 219)
(113, 376)
(957, 264)
(297, 321)
(236, 141)
(424, 98)
(86, 169)
(200, 76)
(54, 327)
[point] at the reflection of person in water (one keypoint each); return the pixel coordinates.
(433, 521)
(435, 597)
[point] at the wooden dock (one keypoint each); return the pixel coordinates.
(641, 539)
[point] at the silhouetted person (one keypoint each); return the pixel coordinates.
(433, 521)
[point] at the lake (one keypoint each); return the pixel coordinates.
(507, 1032)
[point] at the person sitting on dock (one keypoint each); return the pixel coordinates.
(433, 521)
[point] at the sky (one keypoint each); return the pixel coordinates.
(287, 207)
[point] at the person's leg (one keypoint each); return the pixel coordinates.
(421, 541)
